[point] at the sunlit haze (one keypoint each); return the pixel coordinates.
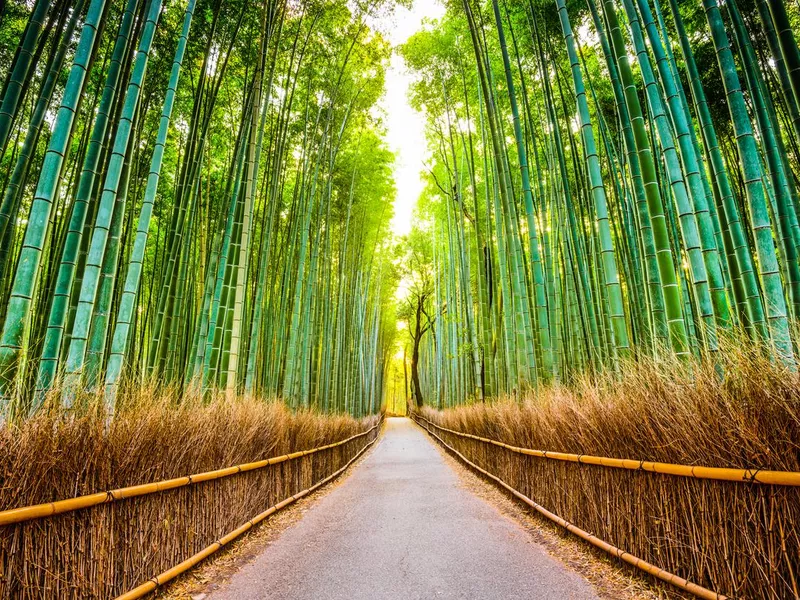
(405, 126)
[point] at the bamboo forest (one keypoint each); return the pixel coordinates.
(559, 239)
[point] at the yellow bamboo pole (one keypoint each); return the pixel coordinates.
(152, 584)
(635, 561)
(787, 478)
(38, 511)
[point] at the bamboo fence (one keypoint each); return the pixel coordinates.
(105, 545)
(717, 533)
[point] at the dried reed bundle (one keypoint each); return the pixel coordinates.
(105, 550)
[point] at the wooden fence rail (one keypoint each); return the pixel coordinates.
(789, 478)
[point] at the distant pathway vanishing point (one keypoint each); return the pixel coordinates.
(401, 527)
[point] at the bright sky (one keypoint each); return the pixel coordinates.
(405, 126)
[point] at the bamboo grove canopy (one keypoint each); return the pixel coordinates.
(608, 179)
(194, 192)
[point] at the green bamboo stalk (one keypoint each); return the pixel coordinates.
(687, 214)
(15, 328)
(127, 305)
(611, 281)
(684, 132)
(533, 237)
(777, 166)
(769, 271)
(76, 354)
(739, 244)
(57, 318)
(20, 70)
(13, 192)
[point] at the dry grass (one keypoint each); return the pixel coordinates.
(105, 550)
(740, 539)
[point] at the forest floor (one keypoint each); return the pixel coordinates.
(410, 522)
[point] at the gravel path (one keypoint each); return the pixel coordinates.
(402, 528)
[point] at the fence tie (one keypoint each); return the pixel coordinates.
(641, 465)
(580, 458)
(752, 478)
(110, 496)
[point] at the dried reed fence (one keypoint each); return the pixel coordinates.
(105, 550)
(738, 538)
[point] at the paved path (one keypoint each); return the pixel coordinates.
(402, 528)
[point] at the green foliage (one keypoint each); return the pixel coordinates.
(244, 218)
(646, 180)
